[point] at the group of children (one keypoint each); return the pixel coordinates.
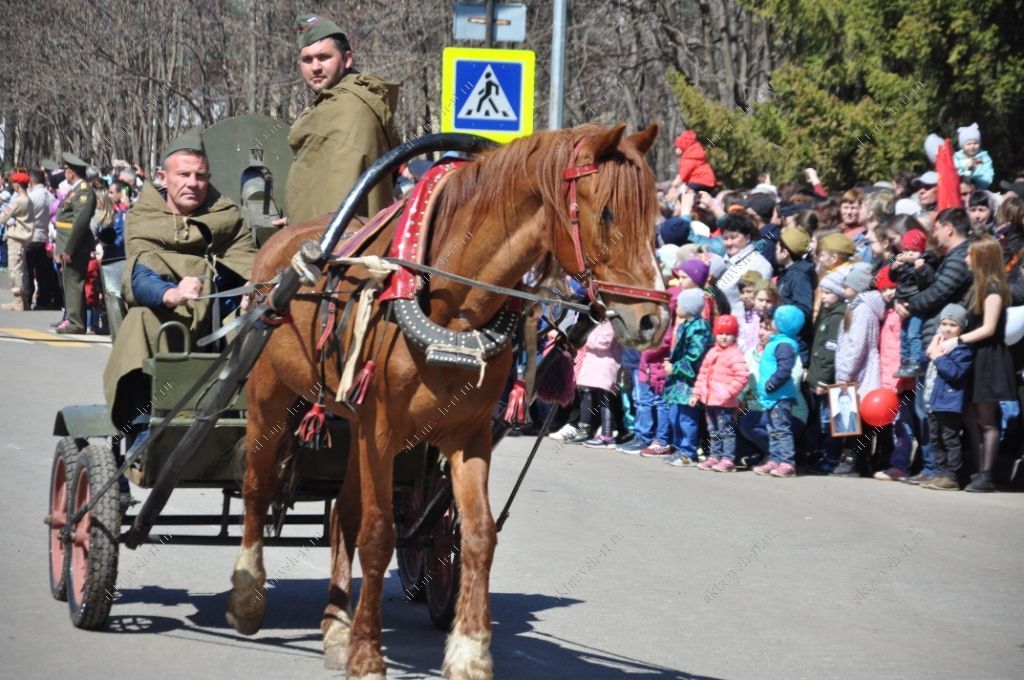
(744, 374)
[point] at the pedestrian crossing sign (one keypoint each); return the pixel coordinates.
(487, 92)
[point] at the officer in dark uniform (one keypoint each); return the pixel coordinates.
(75, 241)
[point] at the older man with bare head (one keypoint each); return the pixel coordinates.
(183, 241)
(347, 125)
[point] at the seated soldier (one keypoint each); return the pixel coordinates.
(181, 241)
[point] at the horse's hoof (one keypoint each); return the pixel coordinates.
(335, 657)
(247, 603)
(468, 657)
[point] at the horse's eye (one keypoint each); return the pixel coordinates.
(607, 216)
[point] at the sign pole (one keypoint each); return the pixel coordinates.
(489, 28)
(557, 93)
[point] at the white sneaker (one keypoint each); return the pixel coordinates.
(568, 431)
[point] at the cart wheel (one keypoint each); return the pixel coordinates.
(408, 508)
(443, 564)
(60, 479)
(92, 564)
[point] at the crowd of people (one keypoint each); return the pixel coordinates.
(792, 304)
(41, 249)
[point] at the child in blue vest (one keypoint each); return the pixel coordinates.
(777, 391)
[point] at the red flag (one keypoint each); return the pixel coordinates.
(949, 180)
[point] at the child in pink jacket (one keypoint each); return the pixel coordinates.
(722, 377)
(889, 360)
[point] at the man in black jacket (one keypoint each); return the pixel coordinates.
(953, 277)
(952, 281)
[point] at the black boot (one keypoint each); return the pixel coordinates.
(981, 483)
(847, 466)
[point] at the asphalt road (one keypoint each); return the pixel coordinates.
(610, 566)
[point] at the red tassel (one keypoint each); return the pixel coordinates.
(517, 406)
(312, 431)
(362, 383)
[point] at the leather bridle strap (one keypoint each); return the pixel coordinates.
(570, 175)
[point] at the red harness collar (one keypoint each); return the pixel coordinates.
(594, 286)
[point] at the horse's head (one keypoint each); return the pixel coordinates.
(612, 188)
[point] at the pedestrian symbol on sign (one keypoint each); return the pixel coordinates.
(488, 101)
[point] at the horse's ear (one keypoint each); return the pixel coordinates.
(605, 143)
(643, 141)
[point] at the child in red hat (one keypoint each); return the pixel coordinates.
(889, 351)
(723, 375)
(912, 272)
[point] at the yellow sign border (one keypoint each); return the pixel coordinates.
(452, 55)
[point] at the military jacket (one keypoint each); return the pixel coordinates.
(74, 235)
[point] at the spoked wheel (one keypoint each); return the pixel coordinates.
(442, 561)
(60, 479)
(92, 563)
(408, 507)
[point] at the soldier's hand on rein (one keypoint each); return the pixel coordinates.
(188, 288)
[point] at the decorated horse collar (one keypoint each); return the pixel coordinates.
(594, 286)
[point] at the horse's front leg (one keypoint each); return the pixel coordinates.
(266, 429)
(376, 544)
(467, 654)
(336, 623)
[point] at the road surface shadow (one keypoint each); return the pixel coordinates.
(413, 646)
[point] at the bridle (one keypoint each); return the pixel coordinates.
(594, 286)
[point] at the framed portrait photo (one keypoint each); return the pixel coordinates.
(843, 409)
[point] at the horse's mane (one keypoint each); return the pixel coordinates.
(624, 184)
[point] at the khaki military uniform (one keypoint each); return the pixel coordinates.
(173, 246)
(75, 239)
(347, 128)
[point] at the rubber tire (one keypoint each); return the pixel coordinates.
(90, 609)
(63, 461)
(443, 564)
(408, 507)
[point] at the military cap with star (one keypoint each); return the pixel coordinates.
(49, 164)
(313, 28)
(190, 141)
(76, 163)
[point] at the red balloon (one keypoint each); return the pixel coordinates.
(879, 407)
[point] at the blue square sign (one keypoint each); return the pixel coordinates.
(488, 92)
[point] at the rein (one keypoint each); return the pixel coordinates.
(570, 175)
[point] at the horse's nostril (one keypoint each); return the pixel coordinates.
(648, 323)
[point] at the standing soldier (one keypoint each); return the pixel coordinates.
(75, 241)
(347, 126)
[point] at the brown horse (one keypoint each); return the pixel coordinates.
(496, 219)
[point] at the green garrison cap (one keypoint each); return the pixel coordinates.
(191, 140)
(313, 28)
(74, 161)
(49, 164)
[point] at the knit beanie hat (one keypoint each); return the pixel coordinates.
(966, 134)
(882, 279)
(914, 240)
(796, 241)
(833, 283)
(837, 243)
(697, 270)
(691, 301)
(859, 277)
(954, 312)
(727, 324)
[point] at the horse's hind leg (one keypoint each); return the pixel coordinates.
(467, 653)
(376, 544)
(336, 623)
(269, 401)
